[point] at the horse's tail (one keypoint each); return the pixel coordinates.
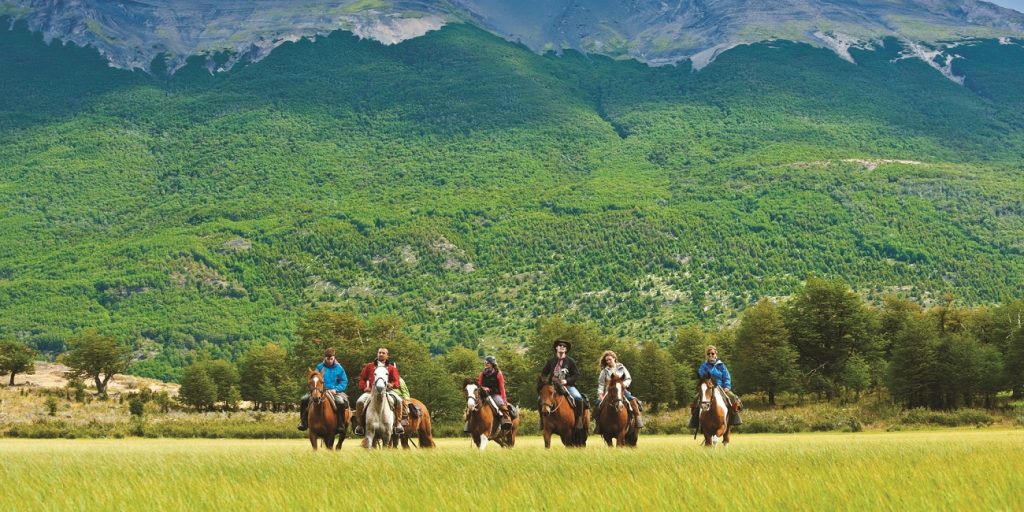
(425, 431)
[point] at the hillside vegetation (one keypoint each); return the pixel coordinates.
(470, 186)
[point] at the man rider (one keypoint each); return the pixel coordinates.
(366, 384)
(564, 369)
(334, 379)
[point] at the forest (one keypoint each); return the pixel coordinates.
(477, 194)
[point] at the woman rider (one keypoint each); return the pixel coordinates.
(610, 364)
(715, 367)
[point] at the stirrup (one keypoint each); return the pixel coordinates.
(360, 431)
(302, 427)
(399, 429)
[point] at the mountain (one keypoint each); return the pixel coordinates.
(132, 34)
(470, 185)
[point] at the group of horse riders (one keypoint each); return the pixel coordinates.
(335, 381)
(561, 368)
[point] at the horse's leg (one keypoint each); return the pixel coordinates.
(547, 437)
(329, 441)
(312, 439)
(476, 440)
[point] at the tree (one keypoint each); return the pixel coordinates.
(98, 357)
(264, 376)
(653, 376)
(16, 358)
(827, 323)
(914, 372)
(197, 388)
(763, 357)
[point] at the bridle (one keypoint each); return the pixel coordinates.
(554, 404)
(316, 389)
(707, 395)
(619, 396)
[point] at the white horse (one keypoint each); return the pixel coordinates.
(380, 416)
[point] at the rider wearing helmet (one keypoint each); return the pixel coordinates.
(492, 384)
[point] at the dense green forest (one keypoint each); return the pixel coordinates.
(471, 187)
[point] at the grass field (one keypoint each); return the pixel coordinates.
(948, 470)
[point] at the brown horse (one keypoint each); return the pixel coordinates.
(483, 422)
(559, 417)
(420, 425)
(323, 419)
(714, 413)
(613, 420)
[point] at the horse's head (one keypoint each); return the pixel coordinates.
(707, 393)
(315, 384)
(547, 393)
(380, 378)
(616, 391)
(472, 392)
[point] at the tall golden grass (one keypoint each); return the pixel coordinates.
(948, 470)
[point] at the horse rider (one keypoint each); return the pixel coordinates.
(563, 368)
(366, 384)
(715, 368)
(335, 379)
(492, 386)
(610, 364)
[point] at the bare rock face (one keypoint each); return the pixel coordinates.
(132, 33)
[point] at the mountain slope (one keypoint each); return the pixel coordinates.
(470, 185)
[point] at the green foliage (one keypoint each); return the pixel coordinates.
(198, 389)
(16, 358)
(657, 385)
(828, 325)
(264, 377)
(98, 357)
(470, 187)
(764, 358)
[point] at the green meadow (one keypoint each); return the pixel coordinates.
(948, 470)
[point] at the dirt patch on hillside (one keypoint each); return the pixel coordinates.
(52, 376)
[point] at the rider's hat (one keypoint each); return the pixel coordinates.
(492, 360)
(560, 341)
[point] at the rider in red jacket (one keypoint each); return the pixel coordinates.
(366, 384)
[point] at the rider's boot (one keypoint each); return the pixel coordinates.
(400, 417)
(734, 418)
(358, 418)
(506, 418)
(693, 417)
(635, 405)
(579, 414)
(303, 414)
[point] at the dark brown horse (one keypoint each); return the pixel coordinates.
(559, 417)
(483, 422)
(419, 426)
(714, 413)
(323, 418)
(613, 420)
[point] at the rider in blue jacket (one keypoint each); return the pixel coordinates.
(715, 367)
(335, 379)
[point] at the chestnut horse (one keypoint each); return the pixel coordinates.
(714, 414)
(483, 422)
(419, 425)
(323, 419)
(559, 417)
(613, 419)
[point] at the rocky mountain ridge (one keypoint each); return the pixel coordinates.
(132, 34)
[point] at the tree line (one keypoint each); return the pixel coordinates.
(824, 343)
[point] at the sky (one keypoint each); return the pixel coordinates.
(1012, 4)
